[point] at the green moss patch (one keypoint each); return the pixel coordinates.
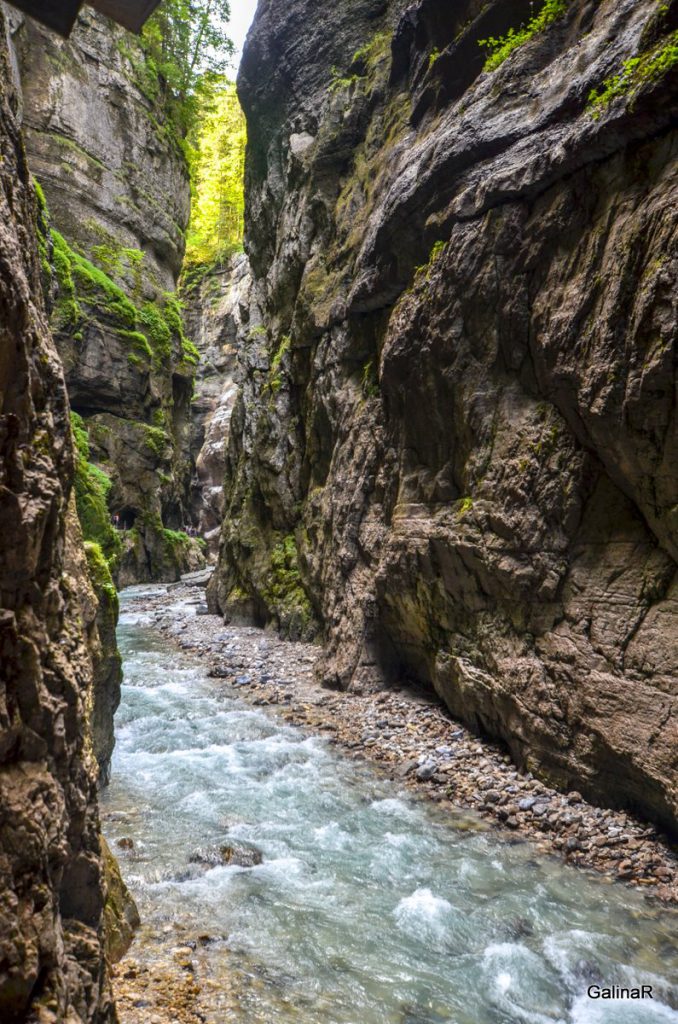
(152, 331)
(92, 487)
(369, 381)
(156, 440)
(284, 593)
(100, 573)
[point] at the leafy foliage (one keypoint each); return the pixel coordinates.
(646, 67)
(500, 47)
(218, 166)
(184, 42)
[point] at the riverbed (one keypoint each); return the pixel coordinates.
(370, 905)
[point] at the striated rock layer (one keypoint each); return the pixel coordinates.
(52, 892)
(216, 309)
(454, 444)
(101, 145)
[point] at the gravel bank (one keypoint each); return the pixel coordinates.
(411, 737)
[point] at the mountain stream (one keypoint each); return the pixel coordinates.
(370, 906)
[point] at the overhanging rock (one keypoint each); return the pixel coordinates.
(60, 15)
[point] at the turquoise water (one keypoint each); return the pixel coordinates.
(370, 907)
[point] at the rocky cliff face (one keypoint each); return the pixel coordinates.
(116, 193)
(217, 307)
(52, 893)
(454, 444)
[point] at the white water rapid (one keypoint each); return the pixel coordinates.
(370, 906)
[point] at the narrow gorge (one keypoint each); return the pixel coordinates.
(354, 385)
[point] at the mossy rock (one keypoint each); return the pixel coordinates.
(121, 916)
(92, 487)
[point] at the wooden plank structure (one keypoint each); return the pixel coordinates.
(60, 15)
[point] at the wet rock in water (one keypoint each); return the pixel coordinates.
(235, 854)
(588, 971)
(125, 843)
(519, 929)
(414, 1014)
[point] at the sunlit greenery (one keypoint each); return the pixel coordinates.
(218, 165)
(649, 66)
(183, 41)
(501, 47)
(153, 332)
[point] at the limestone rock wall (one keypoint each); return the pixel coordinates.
(217, 311)
(102, 147)
(454, 444)
(52, 962)
(113, 175)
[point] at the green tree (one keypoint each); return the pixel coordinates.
(218, 166)
(184, 41)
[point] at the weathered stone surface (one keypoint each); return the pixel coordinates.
(120, 910)
(230, 854)
(111, 177)
(216, 311)
(462, 412)
(52, 963)
(98, 608)
(102, 147)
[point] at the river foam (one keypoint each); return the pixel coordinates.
(369, 906)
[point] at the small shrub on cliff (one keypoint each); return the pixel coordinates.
(649, 66)
(374, 51)
(424, 271)
(433, 59)
(500, 47)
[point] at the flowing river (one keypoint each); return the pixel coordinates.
(370, 906)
